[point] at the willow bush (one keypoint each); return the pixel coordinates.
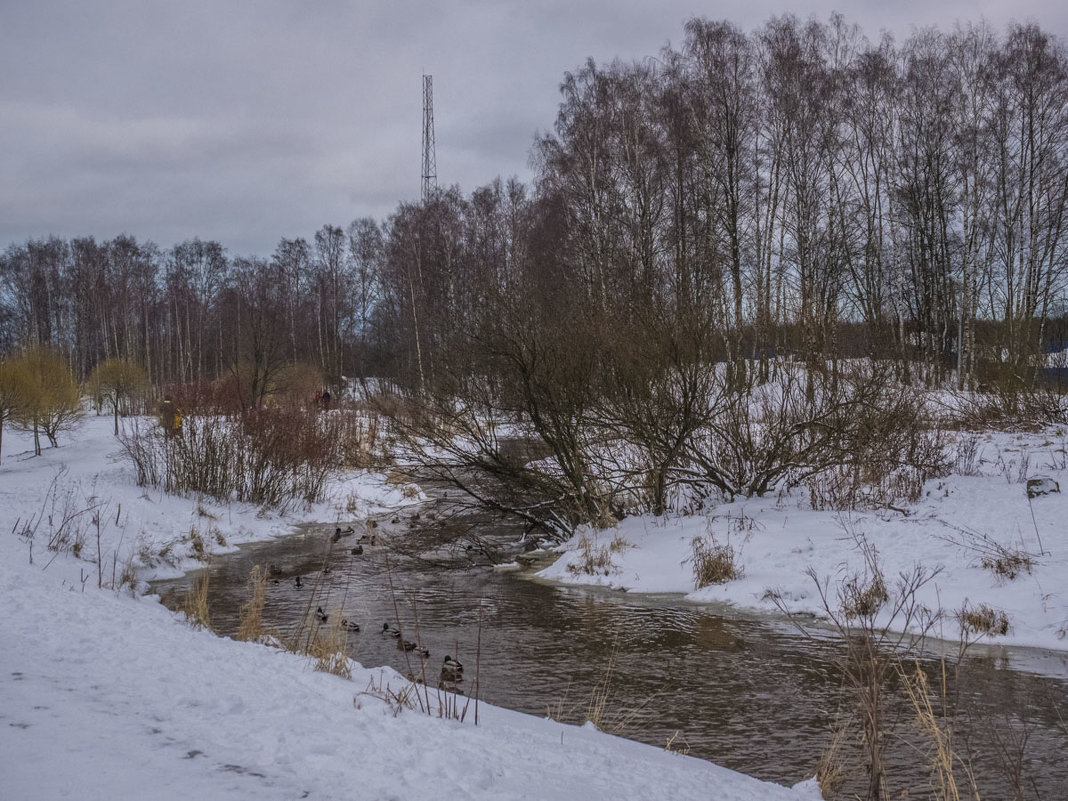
(272, 457)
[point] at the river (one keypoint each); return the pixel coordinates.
(747, 691)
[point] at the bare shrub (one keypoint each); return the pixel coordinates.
(118, 383)
(397, 477)
(50, 400)
(854, 437)
(66, 516)
(1009, 402)
(271, 457)
(205, 398)
(535, 384)
(966, 462)
(888, 453)
(357, 438)
(873, 651)
(1007, 563)
(713, 562)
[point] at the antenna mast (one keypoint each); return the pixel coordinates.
(430, 165)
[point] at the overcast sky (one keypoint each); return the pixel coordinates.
(245, 122)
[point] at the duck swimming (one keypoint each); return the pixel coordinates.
(391, 632)
(349, 625)
(300, 582)
(320, 615)
(451, 670)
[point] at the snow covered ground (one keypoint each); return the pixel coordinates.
(959, 523)
(105, 694)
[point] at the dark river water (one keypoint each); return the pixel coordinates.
(745, 691)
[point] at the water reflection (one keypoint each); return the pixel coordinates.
(748, 692)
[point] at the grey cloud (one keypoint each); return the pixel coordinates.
(248, 121)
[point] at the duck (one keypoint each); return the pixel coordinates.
(320, 615)
(299, 582)
(422, 651)
(349, 625)
(449, 663)
(391, 632)
(451, 670)
(274, 571)
(405, 645)
(340, 532)
(357, 551)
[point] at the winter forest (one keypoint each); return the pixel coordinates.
(800, 189)
(801, 195)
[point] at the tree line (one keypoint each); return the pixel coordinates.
(797, 190)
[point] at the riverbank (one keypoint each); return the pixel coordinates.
(105, 694)
(979, 539)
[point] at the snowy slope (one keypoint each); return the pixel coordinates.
(107, 695)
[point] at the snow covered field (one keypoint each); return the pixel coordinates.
(105, 694)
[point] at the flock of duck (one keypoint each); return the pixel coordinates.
(451, 669)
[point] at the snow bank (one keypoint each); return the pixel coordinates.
(960, 523)
(107, 695)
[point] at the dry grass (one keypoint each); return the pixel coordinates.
(831, 771)
(595, 559)
(983, 619)
(1008, 564)
(358, 441)
(196, 544)
(603, 709)
(713, 563)
(328, 647)
(396, 477)
(196, 602)
(407, 697)
(944, 757)
(597, 711)
(674, 746)
(250, 627)
(863, 597)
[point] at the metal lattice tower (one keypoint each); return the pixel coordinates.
(430, 161)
